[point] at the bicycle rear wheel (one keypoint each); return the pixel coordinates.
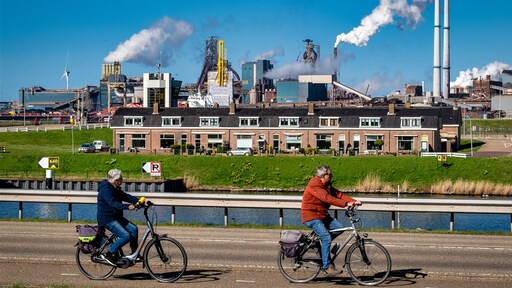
(165, 259)
(300, 269)
(92, 269)
(370, 273)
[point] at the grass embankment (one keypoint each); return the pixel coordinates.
(471, 176)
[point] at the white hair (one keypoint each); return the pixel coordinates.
(114, 174)
(322, 170)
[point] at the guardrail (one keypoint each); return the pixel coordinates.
(46, 128)
(226, 201)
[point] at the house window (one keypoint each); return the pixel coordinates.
(293, 142)
(132, 121)
(275, 142)
(171, 121)
(209, 121)
(410, 122)
(249, 122)
(139, 141)
(405, 143)
(374, 142)
(288, 121)
(323, 141)
(214, 140)
(166, 140)
(373, 122)
(328, 122)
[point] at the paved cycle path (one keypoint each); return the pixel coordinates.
(42, 254)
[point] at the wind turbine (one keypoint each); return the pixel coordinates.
(66, 72)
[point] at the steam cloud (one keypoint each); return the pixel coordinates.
(383, 15)
(494, 69)
(293, 70)
(278, 51)
(153, 45)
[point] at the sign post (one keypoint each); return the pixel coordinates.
(49, 163)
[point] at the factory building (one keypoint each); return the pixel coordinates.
(254, 82)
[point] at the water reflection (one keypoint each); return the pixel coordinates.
(215, 216)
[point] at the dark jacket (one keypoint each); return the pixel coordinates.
(317, 199)
(110, 202)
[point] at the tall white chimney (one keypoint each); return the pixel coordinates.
(446, 50)
(436, 91)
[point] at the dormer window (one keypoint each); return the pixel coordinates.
(410, 122)
(133, 121)
(329, 121)
(249, 121)
(369, 122)
(288, 121)
(209, 121)
(171, 121)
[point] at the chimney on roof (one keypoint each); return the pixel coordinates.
(155, 108)
(232, 108)
(311, 109)
(391, 110)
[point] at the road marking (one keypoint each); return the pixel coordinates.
(69, 274)
(245, 281)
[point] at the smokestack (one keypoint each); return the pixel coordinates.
(335, 63)
(437, 53)
(446, 50)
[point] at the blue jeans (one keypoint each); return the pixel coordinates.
(126, 232)
(321, 228)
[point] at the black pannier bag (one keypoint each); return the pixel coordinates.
(290, 242)
(88, 238)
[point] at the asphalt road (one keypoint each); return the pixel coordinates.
(42, 254)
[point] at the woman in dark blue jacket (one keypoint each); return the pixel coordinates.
(110, 214)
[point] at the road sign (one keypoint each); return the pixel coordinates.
(441, 158)
(49, 162)
(154, 168)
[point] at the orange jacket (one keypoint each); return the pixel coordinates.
(317, 199)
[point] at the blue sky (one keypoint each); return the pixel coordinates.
(36, 37)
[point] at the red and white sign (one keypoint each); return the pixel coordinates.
(154, 168)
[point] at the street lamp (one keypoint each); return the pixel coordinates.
(470, 133)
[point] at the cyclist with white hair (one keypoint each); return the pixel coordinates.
(111, 203)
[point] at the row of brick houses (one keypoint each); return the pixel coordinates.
(391, 129)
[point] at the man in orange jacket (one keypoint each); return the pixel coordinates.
(318, 196)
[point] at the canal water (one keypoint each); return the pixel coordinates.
(215, 216)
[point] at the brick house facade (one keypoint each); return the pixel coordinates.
(365, 130)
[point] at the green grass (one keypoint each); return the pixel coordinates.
(25, 149)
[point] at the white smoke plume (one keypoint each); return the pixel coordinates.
(278, 51)
(494, 69)
(153, 45)
(293, 70)
(383, 15)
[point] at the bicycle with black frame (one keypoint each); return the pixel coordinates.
(367, 261)
(164, 257)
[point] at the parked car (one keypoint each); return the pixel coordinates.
(87, 148)
(101, 145)
(240, 151)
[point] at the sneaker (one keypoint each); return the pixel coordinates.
(108, 258)
(332, 271)
(335, 248)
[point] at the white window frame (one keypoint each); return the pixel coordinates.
(173, 121)
(329, 120)
(286, 121)
(410, 122)
(133, 121)
(369, 122)
(249, 121)
(209, 121)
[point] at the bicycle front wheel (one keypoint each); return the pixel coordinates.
(300, 269)
(375, 270)
(165, 259)
(92, 269)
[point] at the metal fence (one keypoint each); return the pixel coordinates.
(227, 201)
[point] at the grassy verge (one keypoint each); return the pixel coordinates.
(262, 173)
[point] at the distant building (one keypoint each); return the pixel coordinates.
(253, 78)
(286, 129)
(39, 99)
(483, 88)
